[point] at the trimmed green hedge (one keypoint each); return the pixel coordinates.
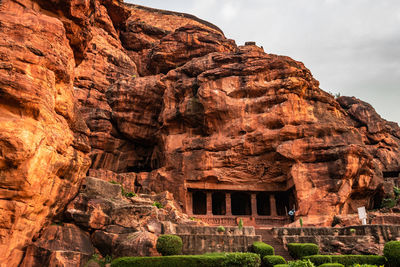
(331, 265)
(209, 260)
(347, 260)
(169, 245)
(319, 259)
(300, 250)
(262, 249)
(272, 260)
(392, 253)
(301, 263)
(242, 259)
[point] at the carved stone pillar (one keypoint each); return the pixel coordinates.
(272, 204)
(253, 204)
(228, 204)
(189, 203)
(209, 203)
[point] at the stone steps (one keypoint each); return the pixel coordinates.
(267, 236)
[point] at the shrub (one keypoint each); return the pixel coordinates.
(209, 260)
(392, 253)
(221, 229)
(169, 245)
(240, 224)
(319, 259)
(300, 250)
(262, 249)
(349, 260)
(301, 263)
(388, 203)
(167, 261)
(158, 205)
(130, 194)
(272, 260)
(282, 265)
(331, 265)
(396, 191)
(242, 259)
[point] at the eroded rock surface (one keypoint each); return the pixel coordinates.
(60, 245)
(120, 225)
(161, 100)
(43, 140)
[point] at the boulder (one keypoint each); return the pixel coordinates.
(59, 245)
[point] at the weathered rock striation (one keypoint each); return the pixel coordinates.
(43, 141)
(162, 101)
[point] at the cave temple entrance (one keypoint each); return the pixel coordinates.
(225, 207)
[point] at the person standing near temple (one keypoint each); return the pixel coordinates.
(291, 214)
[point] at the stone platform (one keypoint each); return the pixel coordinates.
(205, 239)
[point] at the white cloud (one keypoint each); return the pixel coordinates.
(229, 11)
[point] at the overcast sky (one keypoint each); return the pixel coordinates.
(351, 46)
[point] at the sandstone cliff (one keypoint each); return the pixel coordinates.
(159, 100)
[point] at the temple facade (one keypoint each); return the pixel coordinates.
(225, 204)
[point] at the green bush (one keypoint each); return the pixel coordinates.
(242, 259)
(221, 229)
(331, 265)
(209, 260)
(300, 250)
(282, 265)
(240, 224)
(392, 253)
(301, 263)
(272, 260)
(319, 259)
(262, 249)
(168, 261)
(158, 205)
(349, 260)
(169, 245)
(388, 203)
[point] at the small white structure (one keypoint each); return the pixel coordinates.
(362, 214)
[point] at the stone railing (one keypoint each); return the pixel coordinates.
(218, 220)
(247, 220)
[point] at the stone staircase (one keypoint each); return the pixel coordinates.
(267, 236)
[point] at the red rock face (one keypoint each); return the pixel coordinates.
(43, 140)
(168, 101)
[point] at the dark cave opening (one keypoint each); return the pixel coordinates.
(218, 203)
(199, 202)
(240, 203)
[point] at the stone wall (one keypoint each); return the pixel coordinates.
(359, 239)
(199, 240)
